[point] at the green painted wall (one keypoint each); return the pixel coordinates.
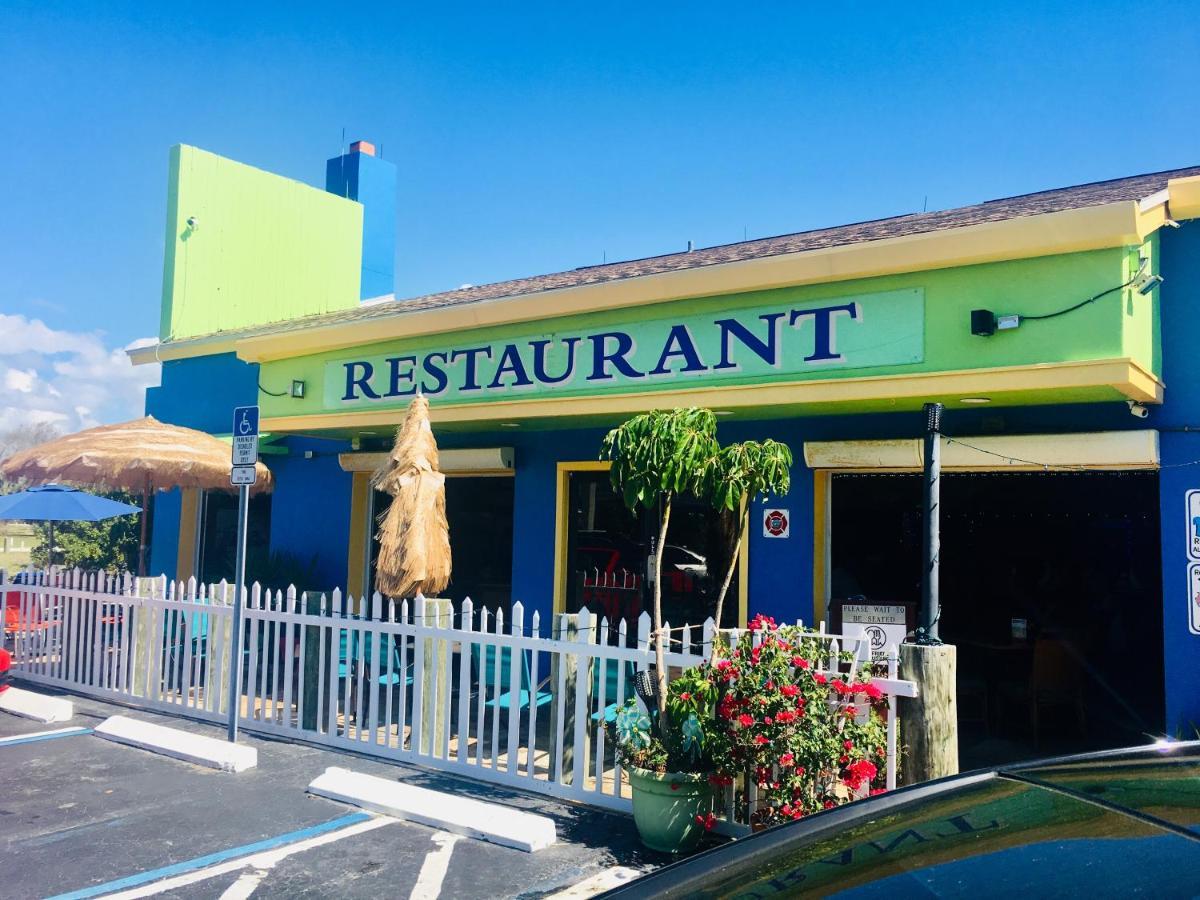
(264, 248)
(1119, 325)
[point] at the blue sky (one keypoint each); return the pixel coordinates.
(537, 137)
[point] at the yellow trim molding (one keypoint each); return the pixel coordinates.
(562, 516)
(1124, 376)
(189, 533)
(1185, 197)
(358, 557)
(1118, 224)
(821, 544)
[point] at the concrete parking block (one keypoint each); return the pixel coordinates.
(39, 707)
(193, 748)
(450, 812)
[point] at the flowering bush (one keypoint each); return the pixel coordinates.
(808, 740)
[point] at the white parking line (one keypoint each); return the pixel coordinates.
(434, 869)
(262, 861)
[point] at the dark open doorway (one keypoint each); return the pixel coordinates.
(480, 513)
(1051, 589)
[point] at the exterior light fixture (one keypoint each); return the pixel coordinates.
(298, 389)
(975, 400)
(724, 412)
(510, 424)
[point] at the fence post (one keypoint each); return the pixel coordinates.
(311, 675)
(563, 672)
(929, 721)
(434, 675)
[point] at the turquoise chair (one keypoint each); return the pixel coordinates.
(526, 696)
(346, 660)
(612, 668)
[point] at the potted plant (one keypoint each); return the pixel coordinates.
(808, 739)
(667, 761)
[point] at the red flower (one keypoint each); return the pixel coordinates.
(767, 720)
(789, 690)
(849, 745)
(842, 759)
(800, 662)
(875, 791)
(707, 821)
(841, 688)
(745, 721)
(786, 760)
(685, 696)
(850, 712)
(819, 678)
(829, 804)
(761, 739)
(872, 692)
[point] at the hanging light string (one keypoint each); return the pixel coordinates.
(1066, 467)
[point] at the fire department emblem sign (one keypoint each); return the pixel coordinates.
(775, 523)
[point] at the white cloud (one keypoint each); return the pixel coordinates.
(20, 380)
(70, 379)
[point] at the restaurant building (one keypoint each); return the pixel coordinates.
(1058, 328)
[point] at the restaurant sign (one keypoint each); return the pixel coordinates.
(780, 342)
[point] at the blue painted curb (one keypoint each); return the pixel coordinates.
(34, 738)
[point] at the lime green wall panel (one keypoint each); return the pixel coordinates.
(264, 248)
(1119, 325)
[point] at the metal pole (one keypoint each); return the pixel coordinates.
(931, 544)
(235, 643)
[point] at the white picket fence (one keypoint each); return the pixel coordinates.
(461, 690)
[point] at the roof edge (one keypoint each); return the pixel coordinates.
(1121, 223)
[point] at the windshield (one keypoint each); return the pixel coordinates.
(998, 838)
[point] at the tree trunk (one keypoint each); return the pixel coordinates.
(660, 655)
(740, 525)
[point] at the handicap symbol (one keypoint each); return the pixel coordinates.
(244, 424)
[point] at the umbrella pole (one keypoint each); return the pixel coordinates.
(142, 540)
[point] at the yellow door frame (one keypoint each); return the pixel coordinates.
(562, 518)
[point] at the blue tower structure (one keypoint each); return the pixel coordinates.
(361, 175)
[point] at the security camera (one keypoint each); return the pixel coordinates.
(1137, 409)
(192, 222)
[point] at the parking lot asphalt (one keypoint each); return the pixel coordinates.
(79, 814)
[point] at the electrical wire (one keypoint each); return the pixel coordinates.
(271, 393)
(1055, 466)
(1082, 303)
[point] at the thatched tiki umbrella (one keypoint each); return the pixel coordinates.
(141, 457)
(414, 537)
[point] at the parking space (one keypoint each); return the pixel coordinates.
(81, 814)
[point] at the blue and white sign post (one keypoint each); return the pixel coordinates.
(242, 474)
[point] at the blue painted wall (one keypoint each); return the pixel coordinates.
(310, 508)
(196, 393)
(201, 392)
(372, 182)
(1179, 422)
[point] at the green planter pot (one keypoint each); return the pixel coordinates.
(665, 808)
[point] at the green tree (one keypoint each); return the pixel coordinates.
(733, 477)
(110, 544)
(655, 457)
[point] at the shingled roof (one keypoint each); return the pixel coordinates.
(1135, 187)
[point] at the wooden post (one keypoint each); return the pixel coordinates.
(311, 676)
(929, 721)
(435, 674)
(564, 666)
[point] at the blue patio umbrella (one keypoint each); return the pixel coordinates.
(59, 503)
